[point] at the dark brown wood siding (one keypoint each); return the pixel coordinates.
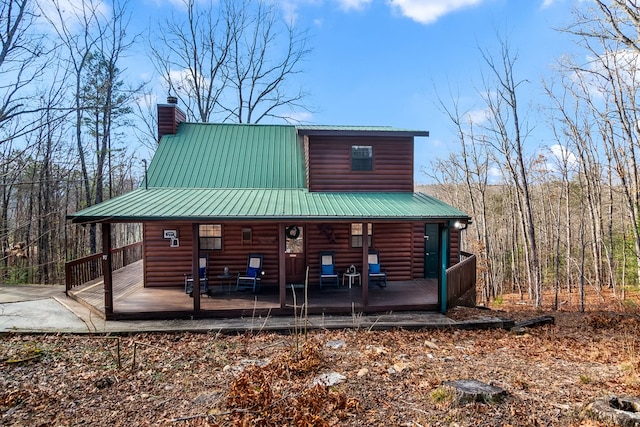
(166, 266)
(330, 164)
(401, 247)
(169, 116)
(454, 253)
(392, 240)
(418, 250)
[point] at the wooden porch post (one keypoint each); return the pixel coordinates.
(282, 282)
(364, 279)
(106, 269)
(444, 244)
(195, 266)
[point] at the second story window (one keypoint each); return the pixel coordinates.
(210, 237)
(361, 158)
(356, 235)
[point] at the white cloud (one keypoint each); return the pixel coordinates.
(563, 155)
(70, 12)
(290, 8)
(596, 81)
(477, 117)
(353, 4)
(495, 175)
(429, 11)
(300, 117)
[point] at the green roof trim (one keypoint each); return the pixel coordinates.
(208, 204)
(358, 131)
(207, 155)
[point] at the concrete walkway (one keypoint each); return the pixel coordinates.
(46, 309)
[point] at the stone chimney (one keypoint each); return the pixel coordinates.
(169, 117)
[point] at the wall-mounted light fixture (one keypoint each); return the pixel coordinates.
(461, 225)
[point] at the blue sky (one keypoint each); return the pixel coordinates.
(380, 62)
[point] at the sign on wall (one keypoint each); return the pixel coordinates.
(172, 235)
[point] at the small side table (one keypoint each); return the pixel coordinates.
(226, 279)
(352, 278)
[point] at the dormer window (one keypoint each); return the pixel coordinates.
(361, 158)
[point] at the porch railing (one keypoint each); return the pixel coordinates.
(83, 270)
(461, 278)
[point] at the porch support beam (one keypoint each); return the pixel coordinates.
(282, 280)
(106, 269)
(365, 264)
(195, 266)
(444, 244)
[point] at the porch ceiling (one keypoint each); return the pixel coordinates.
(195, 204)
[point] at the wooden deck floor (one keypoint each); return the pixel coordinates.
(132, 300)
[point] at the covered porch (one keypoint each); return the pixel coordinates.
(131, 300)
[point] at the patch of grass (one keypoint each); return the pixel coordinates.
(585, 379)
(441, 395)
(27, 354)
(498, 300)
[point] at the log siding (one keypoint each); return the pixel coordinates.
(330, 165)
(401, 247)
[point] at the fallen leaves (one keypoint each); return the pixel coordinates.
(391, 377)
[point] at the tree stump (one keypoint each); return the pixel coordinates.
(619, 411)
(476, 391)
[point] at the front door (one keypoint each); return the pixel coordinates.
(295, 260)
(431, 248)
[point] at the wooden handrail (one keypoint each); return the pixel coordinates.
(461, 278)
(83, 270)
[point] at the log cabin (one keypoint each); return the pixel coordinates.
(295, 196)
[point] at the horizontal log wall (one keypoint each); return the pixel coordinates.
(166, 266)
(454, 254)
(401, 247)
(418, 250)
(330, 165)
(169, 117)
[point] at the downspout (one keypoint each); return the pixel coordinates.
(444, 245)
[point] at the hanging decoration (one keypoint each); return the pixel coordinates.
(292, 232)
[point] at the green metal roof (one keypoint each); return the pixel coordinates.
(242, 171)
(206, 155)
(265, 204)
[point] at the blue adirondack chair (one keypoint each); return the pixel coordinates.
(328, 272)
(250, 279)
(376, 275)
(203, 263)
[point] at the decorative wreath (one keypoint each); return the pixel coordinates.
(292, 232)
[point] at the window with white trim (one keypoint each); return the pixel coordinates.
(356, 235)
(210, 237)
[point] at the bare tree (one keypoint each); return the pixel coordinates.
(609, 84)
(94, 44)
(507, 136)
(23, 60)
(189, 55)
(472, 160)
(258, 70)
(226, 61)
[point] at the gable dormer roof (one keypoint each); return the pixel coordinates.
(206, 155)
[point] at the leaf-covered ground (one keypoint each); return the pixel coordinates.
(391, 378)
